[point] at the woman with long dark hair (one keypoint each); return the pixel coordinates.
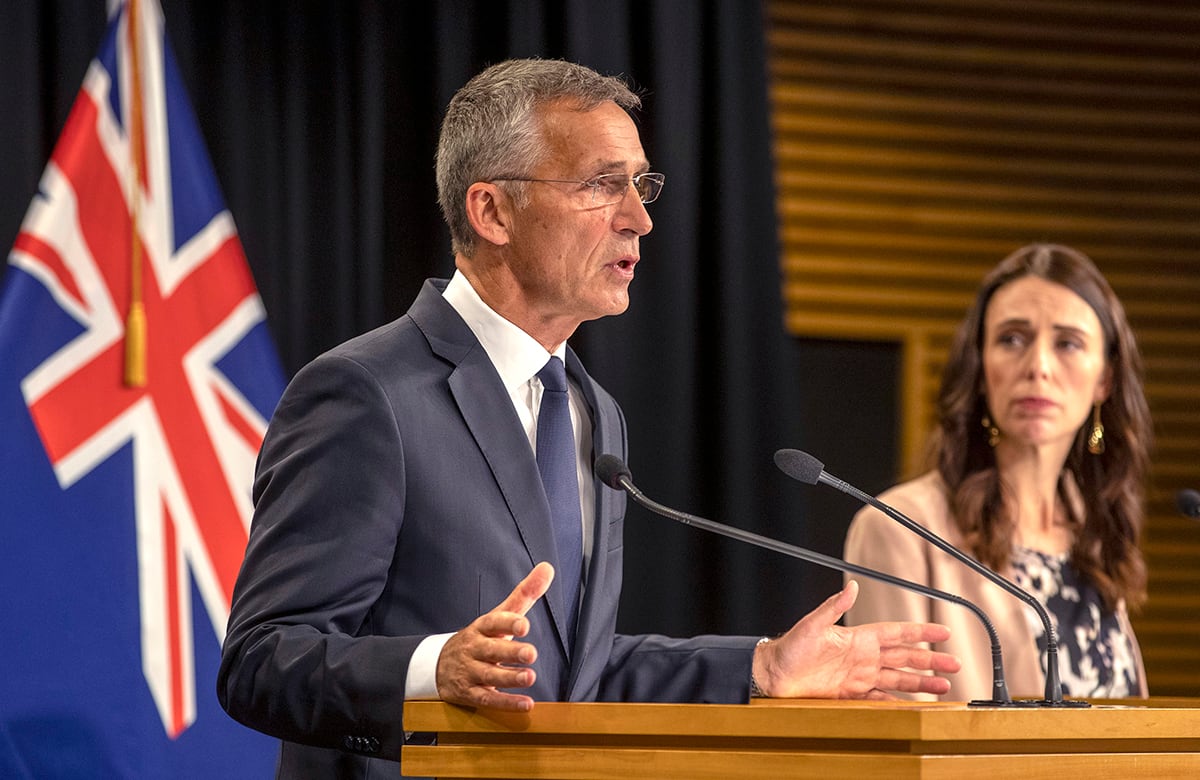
(1041, 457)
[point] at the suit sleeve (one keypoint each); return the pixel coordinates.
(329, 494)
(702, 669)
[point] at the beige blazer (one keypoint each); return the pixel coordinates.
(876, 541)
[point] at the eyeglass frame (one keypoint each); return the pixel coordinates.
(594, 183)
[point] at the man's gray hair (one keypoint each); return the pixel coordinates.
(491, 131)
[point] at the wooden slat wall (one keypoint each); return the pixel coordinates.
(919, 141)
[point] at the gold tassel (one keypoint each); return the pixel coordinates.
(135, 346)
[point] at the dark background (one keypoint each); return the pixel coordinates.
(322, 119)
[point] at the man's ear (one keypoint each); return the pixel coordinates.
(488, 212)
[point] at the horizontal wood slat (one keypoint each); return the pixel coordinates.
(918, 142)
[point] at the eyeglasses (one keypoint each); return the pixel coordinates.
(609, 188)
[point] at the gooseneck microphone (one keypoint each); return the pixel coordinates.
(613, 472)
(805, 468)
(1188, 503)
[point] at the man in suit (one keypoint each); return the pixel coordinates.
(398, 499)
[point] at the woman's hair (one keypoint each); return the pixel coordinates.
(491, 128)
(1111, 484)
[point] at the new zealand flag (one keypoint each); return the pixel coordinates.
(126, 453)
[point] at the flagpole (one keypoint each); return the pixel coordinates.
(135, 320)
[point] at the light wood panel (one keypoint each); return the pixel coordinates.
(806, 739)
(919, 141)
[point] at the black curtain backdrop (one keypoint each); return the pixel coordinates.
(322, 118)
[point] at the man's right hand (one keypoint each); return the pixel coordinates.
(483, 657)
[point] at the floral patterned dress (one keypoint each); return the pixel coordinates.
(1096, 657)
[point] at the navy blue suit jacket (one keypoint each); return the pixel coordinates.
(396, 497)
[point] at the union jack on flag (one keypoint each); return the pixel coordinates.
(126, 455)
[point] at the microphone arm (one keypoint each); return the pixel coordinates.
(613, 472)
(804, 467)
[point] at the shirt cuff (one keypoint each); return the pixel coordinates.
(421, 680)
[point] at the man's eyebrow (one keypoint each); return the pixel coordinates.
(618, 166)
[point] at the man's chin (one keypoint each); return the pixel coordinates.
(611, 309)
(617, 306)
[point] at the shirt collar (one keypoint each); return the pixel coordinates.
(516, 355)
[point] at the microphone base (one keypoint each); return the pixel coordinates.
(998, 703)
(1073, 703)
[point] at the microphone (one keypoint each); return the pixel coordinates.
(805, 468)
(613, 472)
(1188, 503)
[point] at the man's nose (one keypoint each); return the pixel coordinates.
(632, 213)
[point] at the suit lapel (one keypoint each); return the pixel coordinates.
(489, 415)
(598, 578)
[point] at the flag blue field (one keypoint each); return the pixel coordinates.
(126, 458)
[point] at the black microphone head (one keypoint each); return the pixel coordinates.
(1188, 502)
(799, 465)
(610, 469)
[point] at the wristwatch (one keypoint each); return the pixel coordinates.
(757, 692)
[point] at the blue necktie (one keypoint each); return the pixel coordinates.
(556, 456)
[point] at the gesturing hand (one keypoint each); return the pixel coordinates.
(483, 657)
(818, 659)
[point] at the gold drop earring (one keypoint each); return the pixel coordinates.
(1095, 442)
(993, 431)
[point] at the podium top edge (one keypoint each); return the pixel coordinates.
(894, 720)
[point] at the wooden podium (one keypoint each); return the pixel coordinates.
(1156, 738)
